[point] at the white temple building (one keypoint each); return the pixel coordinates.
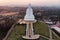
(56, 27)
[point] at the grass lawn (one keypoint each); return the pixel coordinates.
(39, 28)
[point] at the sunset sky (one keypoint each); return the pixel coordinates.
(33, 2)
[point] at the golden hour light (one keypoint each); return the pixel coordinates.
(33, 2)
(29, 19)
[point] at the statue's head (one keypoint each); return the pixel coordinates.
(29, 6)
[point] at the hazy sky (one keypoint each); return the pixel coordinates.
(33, 2)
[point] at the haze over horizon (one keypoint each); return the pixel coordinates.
(33, 2)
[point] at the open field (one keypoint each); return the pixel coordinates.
(39, 28)
(8, 14)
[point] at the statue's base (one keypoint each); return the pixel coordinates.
(33, 37)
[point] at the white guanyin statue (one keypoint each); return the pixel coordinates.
(29, 14)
